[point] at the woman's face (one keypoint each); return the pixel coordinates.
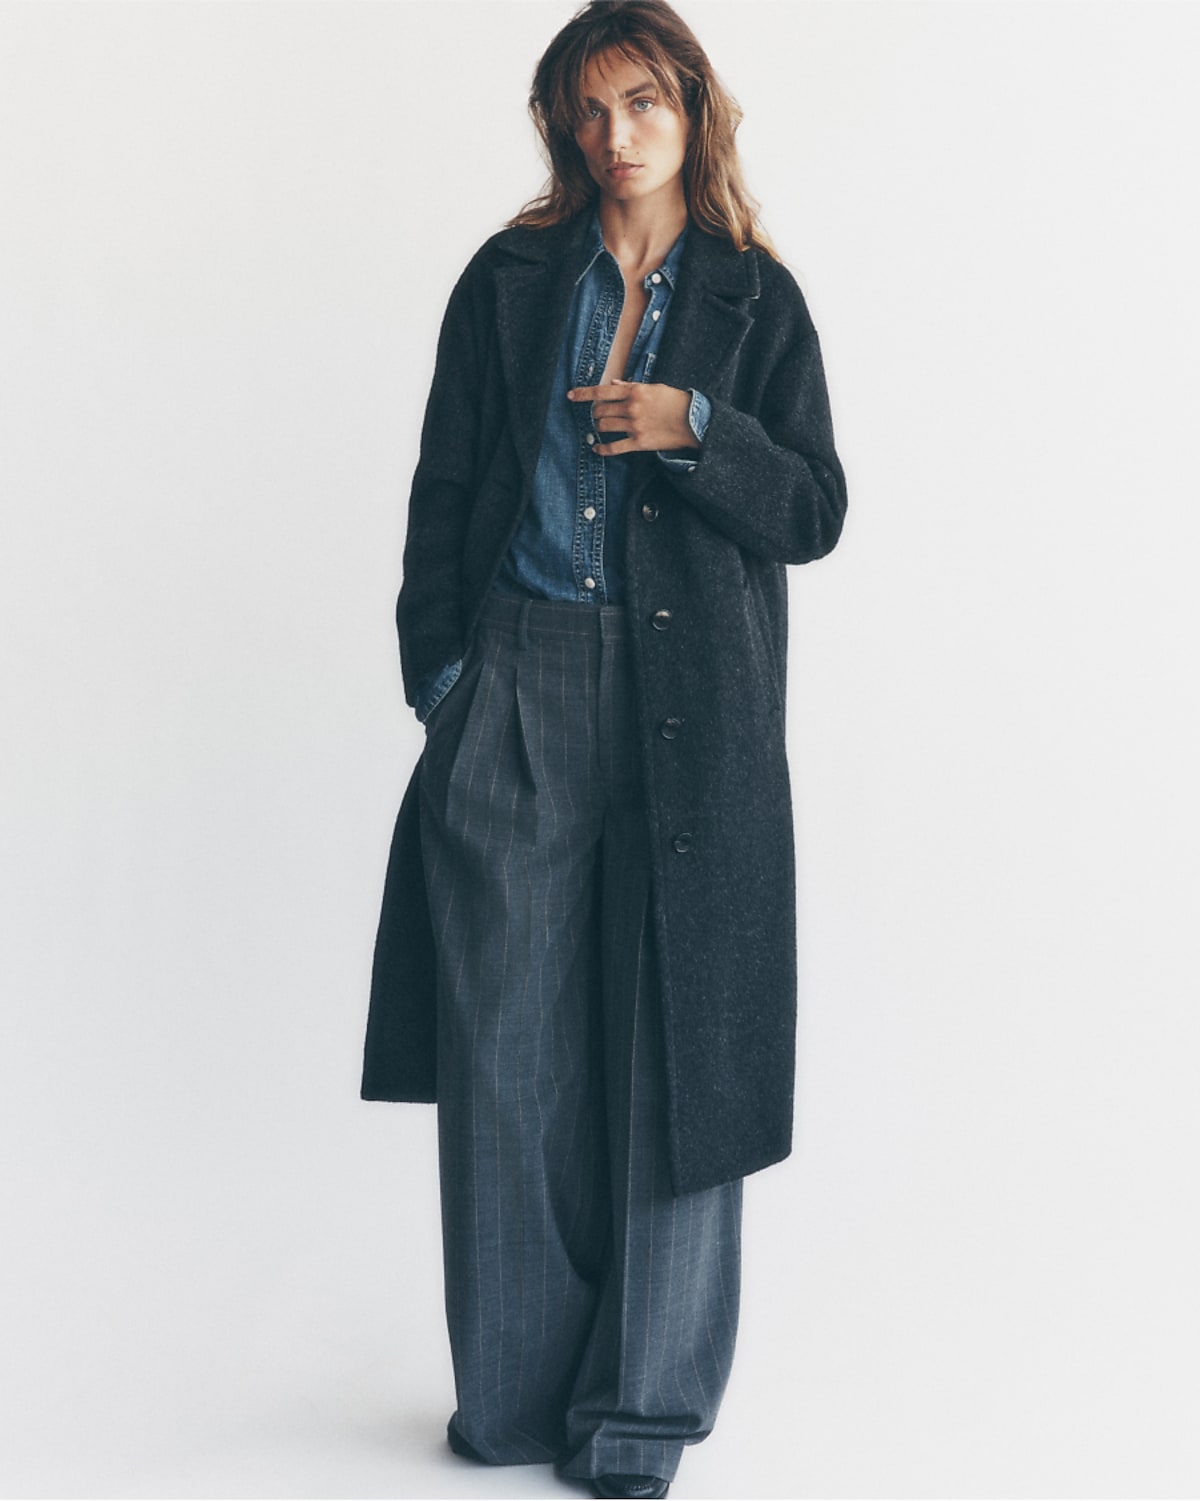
(632, 140)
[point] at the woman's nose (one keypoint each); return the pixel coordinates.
(618, 131)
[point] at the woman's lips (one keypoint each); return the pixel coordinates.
(623, 169)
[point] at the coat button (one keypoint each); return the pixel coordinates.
(649, 512)
(682, 843)
(661, 620)
(670, 728)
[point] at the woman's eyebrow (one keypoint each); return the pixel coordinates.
(648, 86)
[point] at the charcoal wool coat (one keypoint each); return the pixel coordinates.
(706, 592)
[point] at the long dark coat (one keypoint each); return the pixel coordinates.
(709, 547)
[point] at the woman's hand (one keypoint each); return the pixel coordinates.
(650, 416)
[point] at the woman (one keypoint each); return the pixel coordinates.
(627, 438)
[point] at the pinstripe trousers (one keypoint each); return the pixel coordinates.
(591, 1312)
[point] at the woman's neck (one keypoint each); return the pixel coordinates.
(638, 235)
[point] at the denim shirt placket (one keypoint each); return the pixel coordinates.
(587, 547)
(587, 552)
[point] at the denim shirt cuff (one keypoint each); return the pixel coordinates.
(434, 687)
(699, 416)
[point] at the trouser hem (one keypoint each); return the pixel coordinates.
(623, 1457)
(521, 1450)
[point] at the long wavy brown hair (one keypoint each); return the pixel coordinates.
(651, 33)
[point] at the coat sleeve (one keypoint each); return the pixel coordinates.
(770, 479)
(429, 609)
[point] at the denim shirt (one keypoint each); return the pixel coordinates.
(570, 545)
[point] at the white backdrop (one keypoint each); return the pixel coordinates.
(228, 235)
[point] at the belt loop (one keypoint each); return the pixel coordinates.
(523, 625)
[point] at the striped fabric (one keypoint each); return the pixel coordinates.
(592, 1313)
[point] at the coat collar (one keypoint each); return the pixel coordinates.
(535, 277)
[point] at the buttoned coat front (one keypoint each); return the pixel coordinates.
(707, 545)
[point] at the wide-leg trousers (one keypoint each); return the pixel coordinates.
(592, 1313)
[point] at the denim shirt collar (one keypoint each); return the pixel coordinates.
(594, 246)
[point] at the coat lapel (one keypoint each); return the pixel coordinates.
(707, 320)
(705, 328)
(533, 296)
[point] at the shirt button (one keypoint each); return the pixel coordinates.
(649, 512)
(590, 439)
(656, 314)
(682, 843)
(661, 620)
(670, 728)
(589, 513)
(589, 583)
(656, 278)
